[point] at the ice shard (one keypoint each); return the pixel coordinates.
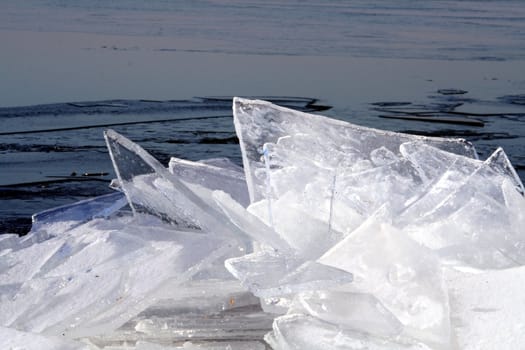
(464, 216)
(151, 188)
(250, 224)
(67, 217)
(323, 141)
(214, 174)
(405, 277)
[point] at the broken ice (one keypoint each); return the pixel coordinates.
(331, 235)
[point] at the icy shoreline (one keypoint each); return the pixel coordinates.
(351, 238)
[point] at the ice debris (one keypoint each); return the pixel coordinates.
(331, 235)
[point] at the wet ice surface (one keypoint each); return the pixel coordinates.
(353, 238)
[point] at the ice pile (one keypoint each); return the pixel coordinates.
(332, 236)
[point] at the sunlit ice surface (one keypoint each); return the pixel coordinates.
(330, 235)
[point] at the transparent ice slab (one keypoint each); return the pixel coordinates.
(322, 140)
(450, 174)
(312, 175)
(216, 174)
(309, 239)
(354, 311)
(268, 274)
(223, 163)
(464, 216)
(357, 195)
(250, 224)
(63, 218)
(151, 188)
(297, 331)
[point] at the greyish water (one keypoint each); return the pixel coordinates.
(70, 69)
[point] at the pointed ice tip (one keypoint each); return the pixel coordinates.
(237, 101)
(111, 134)
(240, 105)
(241, 102)
(500, 162)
